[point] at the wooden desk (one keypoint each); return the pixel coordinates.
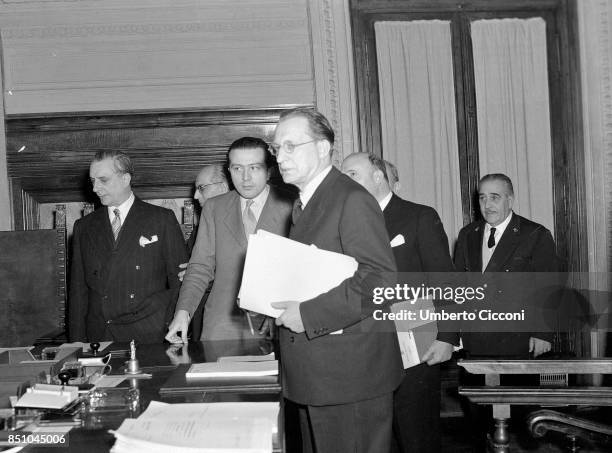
(158, 361)
(502, 397)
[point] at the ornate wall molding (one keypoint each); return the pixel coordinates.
(333, 70)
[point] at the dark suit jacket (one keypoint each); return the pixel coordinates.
(123, 291)
(425, 247)
(358, 364)
(219, 254)
(525, 246)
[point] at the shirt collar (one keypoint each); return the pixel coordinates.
(124, 208)
(310, 188)
(385, 201)
(499, 229)
(258, 202)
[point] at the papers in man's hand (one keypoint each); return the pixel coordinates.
(414, 336)
(278, 269)
(232, 369)
(202, 427)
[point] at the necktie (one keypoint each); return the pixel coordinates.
(297, 211)
(116, 223)
(248, 219)
(491, 241)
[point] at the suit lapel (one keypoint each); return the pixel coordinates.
(100, 233)
(130, 229)
(233, 220)
(316, 205)
(270, 214)
(508, 243)
(474, 247)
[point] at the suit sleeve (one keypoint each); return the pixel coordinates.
(78, 296)
(174, 253)
(435, 257)
(364, 237)
(201, 269)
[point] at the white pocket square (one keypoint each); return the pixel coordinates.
(398, 240)
(144, 241)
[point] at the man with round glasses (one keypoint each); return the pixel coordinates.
(221, 242)
(338, 364)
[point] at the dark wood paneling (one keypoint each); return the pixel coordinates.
(48, 156)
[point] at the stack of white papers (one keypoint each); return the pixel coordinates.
(201, 427)
(278, 269)
(247, 358)
(47, 396)
(233, 369)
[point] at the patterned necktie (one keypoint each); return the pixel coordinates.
(491, 241)
(248, 219)
(116, 223)
(297, 211)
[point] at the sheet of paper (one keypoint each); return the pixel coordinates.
(247, 358)
(232, 369)
(278, 269)
(414, 335)
(109, 380)
(210, 427)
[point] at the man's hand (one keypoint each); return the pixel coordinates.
(538, 346)
(438, 352)
(180, 323)
(291, 317)
(181, 274)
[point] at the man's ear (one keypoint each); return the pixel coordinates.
(323, 148)
(127, 178)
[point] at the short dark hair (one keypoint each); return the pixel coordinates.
(379, 164)
(121, 161)
(319, 126)
(498, 177)
(252, 142)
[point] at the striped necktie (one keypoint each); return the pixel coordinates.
(116, 223)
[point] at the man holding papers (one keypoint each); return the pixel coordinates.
(336, 367)
(225, 225)
(419, 245)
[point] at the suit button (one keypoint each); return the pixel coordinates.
(104, 297)
(137, 268)
(110, 321)
(132, 296)
(292, 339)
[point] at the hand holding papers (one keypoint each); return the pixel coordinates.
(278, 269)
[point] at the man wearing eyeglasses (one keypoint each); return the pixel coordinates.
(339, 365)
(221, 242)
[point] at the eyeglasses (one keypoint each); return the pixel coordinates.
(289, 147)
(202, 187)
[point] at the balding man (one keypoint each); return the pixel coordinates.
(419, 245)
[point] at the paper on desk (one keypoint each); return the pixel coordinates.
(209, 427)
(232, 369)
(278, 269)
(247, 358)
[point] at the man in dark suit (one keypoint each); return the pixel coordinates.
(337, 365)
(500, 243)
(125, 260)
(419, 245)
(220, 249)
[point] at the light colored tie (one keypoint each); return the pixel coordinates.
(116, 223)
(248, 219)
